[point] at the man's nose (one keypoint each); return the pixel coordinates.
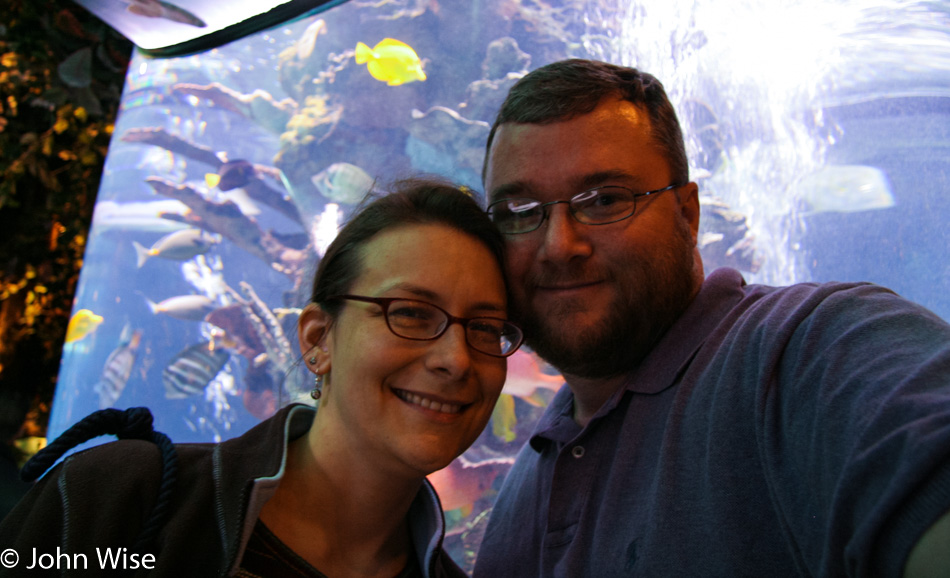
(565, 238)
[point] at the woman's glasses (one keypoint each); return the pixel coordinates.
(423, 321)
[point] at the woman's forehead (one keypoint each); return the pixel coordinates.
(431, 262)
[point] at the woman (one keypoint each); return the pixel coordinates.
(407, 337)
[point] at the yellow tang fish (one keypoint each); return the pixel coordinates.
(391, 61)
(82, 324)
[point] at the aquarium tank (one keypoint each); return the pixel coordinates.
(818, 131)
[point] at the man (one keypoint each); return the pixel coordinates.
(709, 427)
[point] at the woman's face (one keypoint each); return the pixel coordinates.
(414, 404)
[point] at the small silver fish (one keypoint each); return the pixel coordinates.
(184, 307)
(846, 189)
(117, 370)
(152, 216)
(343, 183)
(192, 370)
(177, 246)
(166, 10)
(76, 70)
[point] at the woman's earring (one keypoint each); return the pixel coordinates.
(317, 387)
(313, 360)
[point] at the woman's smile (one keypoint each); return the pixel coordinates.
(429, 402)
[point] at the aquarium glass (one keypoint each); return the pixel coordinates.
(818, 131)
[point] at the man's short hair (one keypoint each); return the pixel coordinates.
(569, 88)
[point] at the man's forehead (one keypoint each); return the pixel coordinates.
(579, 153)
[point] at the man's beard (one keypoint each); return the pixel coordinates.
(654, 295)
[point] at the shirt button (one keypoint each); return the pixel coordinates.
(577, 451)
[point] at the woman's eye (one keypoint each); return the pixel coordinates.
(487, 330)
(410, 312)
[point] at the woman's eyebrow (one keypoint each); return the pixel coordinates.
(429, 295)
(416, 290)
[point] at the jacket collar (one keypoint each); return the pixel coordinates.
(239, 503)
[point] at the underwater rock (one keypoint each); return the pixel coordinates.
(258, 106)
(170, 142)
(504, 56)
(314, 122)
(701, 126)
(228, 220)
(239, 335)
(396, 9)
(453, 137)
(724, 238)
(483, 98)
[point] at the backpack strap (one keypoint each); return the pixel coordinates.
(133, 423)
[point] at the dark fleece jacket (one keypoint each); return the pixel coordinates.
(100, 498)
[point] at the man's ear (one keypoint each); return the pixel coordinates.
(313, 332)
(689, 208)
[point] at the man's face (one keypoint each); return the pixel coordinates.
(593, 299)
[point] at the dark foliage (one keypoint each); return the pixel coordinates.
(61, 76)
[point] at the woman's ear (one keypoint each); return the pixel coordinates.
(313, 331)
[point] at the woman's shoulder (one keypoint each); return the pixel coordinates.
(131, 462)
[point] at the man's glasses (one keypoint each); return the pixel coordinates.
(598, 206)
(422, 321)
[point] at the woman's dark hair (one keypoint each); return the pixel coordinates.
(415, 201)
(569, 88)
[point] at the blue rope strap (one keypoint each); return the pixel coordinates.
(133, 423)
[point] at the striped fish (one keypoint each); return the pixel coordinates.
(192, 369)
(118, 368)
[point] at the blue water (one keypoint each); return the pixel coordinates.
(770, 96)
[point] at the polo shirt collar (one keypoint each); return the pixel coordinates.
(719, 294)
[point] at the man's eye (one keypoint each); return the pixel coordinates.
(516, 209)
(606, 199)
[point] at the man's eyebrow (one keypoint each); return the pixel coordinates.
(611, 177)
(507, 190)
(585, 182)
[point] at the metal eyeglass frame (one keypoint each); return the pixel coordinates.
(544, 211)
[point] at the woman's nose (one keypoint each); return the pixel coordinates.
(450, 353)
